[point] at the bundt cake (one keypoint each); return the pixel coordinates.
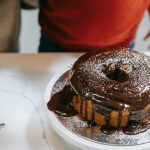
(112, 87)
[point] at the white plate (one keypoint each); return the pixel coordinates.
(73, 139)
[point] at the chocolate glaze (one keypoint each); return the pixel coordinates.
(119, 75)
(60, 102)
(108, 103)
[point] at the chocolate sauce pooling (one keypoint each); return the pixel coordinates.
(132, 128)
(60, 102)
(135, 128)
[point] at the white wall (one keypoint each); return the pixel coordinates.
(143, 29)
(30, 32)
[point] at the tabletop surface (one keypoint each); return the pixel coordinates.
(23, 79)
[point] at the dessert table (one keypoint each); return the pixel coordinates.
(24, 124)
(23, 120)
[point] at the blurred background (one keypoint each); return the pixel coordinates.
(29, 42)
(30, 32)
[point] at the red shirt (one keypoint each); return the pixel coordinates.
(91, 24)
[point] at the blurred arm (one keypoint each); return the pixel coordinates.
(9, 25)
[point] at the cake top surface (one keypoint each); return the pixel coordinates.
(120, 77)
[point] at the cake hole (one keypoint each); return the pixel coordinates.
(118, 75)
(113, 72)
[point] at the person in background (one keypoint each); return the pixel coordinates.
(10, 15)
(9, 25)
(82, 25)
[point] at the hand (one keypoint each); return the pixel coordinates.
(146, 37)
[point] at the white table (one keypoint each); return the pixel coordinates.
(23, 79)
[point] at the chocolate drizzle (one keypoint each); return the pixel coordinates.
(60, 102)
(108, 103)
